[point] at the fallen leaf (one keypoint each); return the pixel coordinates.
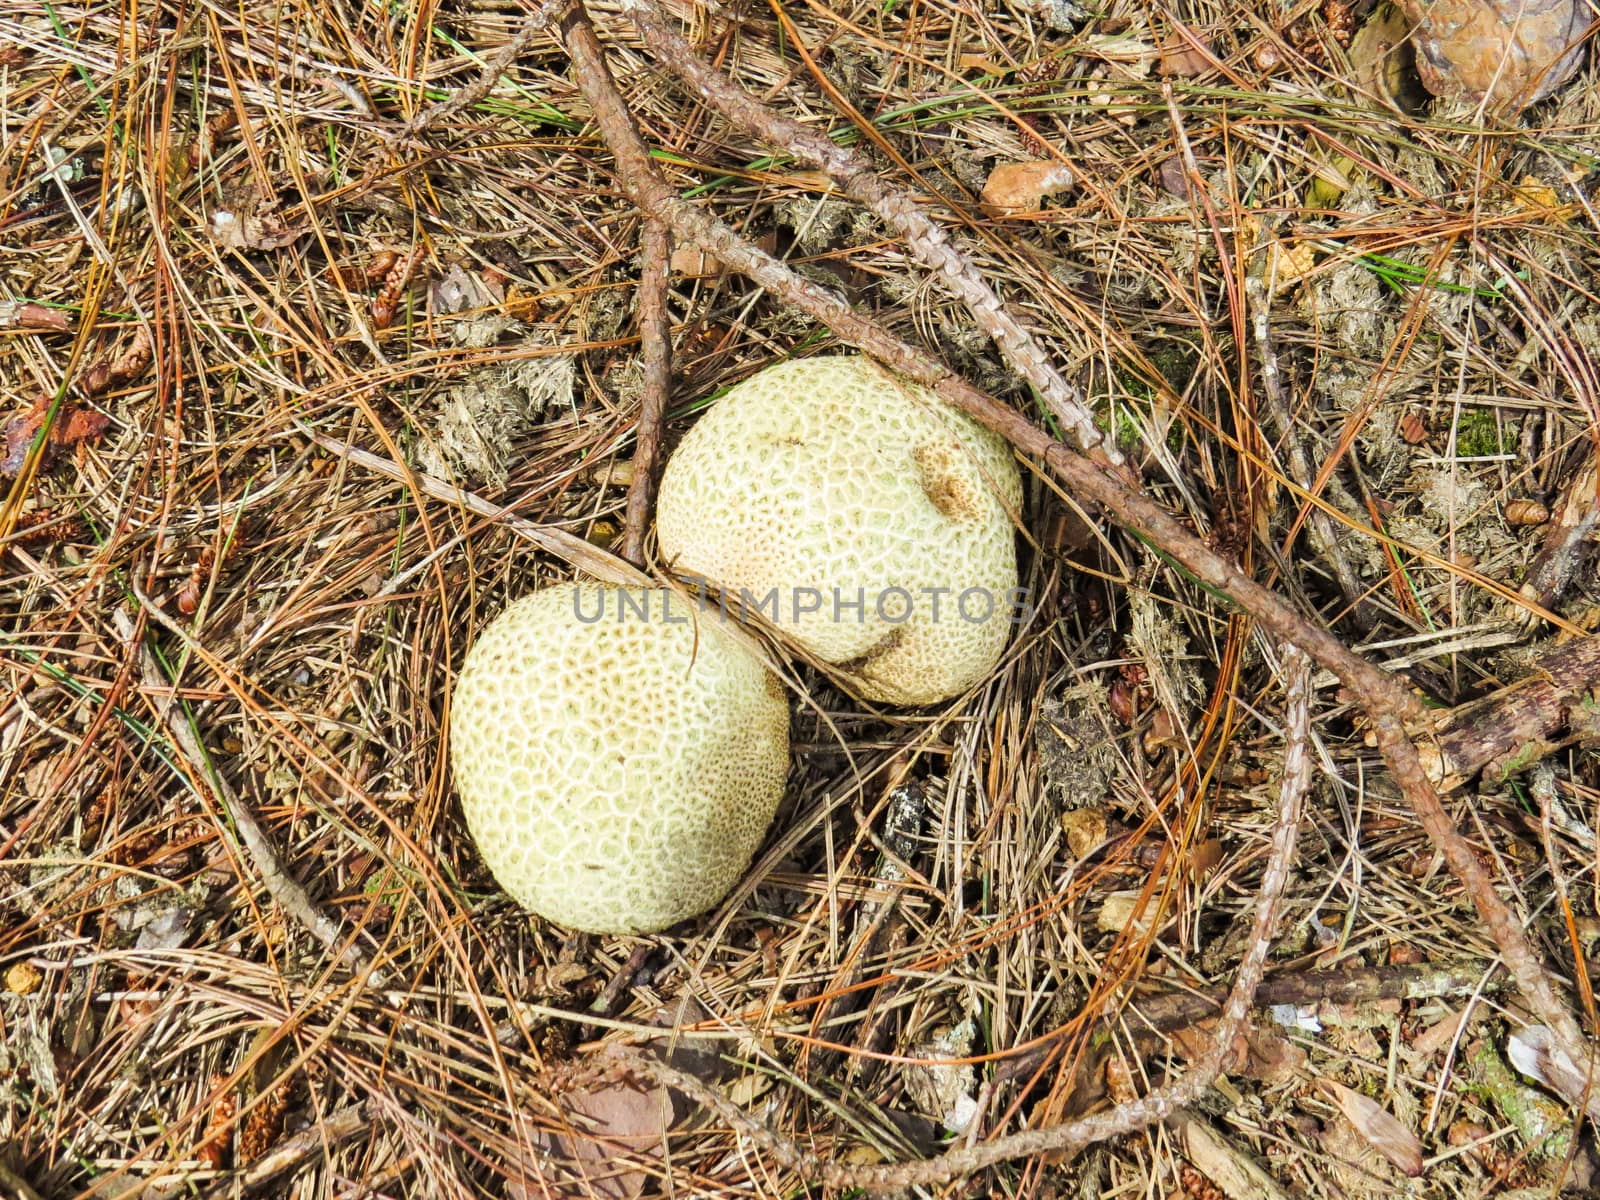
(80, 425)
(610, 1119)
(1125, 910)
(1289, 263)
(1379, 1128)
(1014, 188)
(606, 1123)
(20, 431)
(1535, 196)
(978, 64)
(74, 425)
(1086, 830)
(1185, 56)
(1535, 1052)
(1442, 1033)
(107, 373)
(1175, 178)
(1205, 858)
(1381, 60)
(1269, 1057)
(252, 222)
(691, 260)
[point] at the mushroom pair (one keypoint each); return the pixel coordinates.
(620, 752)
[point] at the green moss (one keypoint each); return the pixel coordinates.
(1543, 1124)
(1176, 361)
(1478, 434)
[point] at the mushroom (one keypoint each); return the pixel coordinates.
(618, 754)
(859, 513)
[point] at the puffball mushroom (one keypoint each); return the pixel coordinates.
(619, 755)
(832, 482)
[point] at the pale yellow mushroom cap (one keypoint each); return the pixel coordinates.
(619, 755)
(833, 476)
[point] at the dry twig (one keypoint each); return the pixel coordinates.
(655, 340)
(493, 68)
(1126, 1118)
(1386, 699)
(257, 847)
(895, 207)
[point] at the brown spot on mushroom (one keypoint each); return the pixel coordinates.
(884, 645)
(948, 489)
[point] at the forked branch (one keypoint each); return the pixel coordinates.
(1386, 699)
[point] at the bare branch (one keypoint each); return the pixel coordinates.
(655, 342)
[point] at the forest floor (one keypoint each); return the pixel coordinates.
(308, 367)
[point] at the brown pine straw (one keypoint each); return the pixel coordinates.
(1385, 699)
(254, 845)
(1226, 1045)
(900, 211)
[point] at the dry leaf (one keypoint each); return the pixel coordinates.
(73, 426)
(1205, 858)
(691, 260)
(1269, 1057)
(20, 431)
(1381, 59)
(79, 426)
(1185, 56)
(1086, 830)
(1413, 430)
(978, 64)
(1175, 177)
(106, 373)
(1379, 1128)
(252, 223)
(1536, 196)
(1535, 1052)
(1442, 1032)
(1120, 910)
(607, 1122)
(1289, 263)
(1021, 187)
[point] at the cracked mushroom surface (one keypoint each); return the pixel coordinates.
(861, 514)
(619, 756)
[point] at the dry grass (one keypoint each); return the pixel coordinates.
(165, 1024)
